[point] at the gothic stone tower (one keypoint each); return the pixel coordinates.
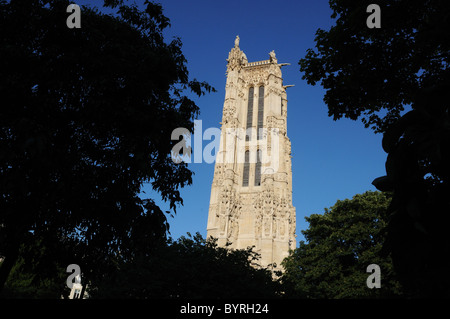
(251, 196)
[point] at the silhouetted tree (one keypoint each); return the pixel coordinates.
(38, 272)
(341, 243)
(373, 74)
(190, 268)
(86, 119)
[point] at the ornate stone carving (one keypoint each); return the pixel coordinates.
(229, 112)
(288, 146)
(236, 59)
(280, 124)
(233, 222)
(229, 213)
(273, 90)
(281, 177)
(257, 76)
(218, 175)
(229, 174)
(264, 207)
(282, 217)
(224, 205)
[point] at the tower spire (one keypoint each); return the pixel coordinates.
(251, 193)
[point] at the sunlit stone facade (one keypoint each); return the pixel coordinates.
(251, 193)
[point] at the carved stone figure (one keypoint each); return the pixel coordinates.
(272, 56)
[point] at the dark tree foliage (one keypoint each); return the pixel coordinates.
(85, 119)
(341, 243)
(418, 172)
(190, 268)
(373, 74)
(34, 277)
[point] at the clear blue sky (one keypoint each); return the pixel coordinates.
(330, 160)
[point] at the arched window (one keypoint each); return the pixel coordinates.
(281, 105)
(258, 168)
(249, 113)
(246, 169)
(260, 112)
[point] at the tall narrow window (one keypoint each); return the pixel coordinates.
(249, 113)
(246, 169)
(260, 112)
(258, 169)
(281, 105)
